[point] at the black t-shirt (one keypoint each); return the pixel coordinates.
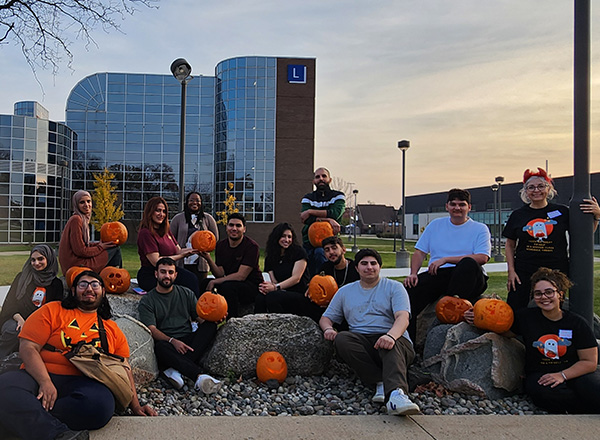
(246, 253)
(341, 276)
(284, 266)
(541, 236)
(551, 346)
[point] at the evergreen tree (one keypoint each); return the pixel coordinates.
(104, 200)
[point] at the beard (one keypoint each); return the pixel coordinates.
(165, 282)
(338, 260)
(322, 187)
(89, 305)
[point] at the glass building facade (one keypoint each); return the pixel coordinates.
(34, 177)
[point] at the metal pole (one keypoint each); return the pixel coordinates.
(581, 228)
(499, 256)
(355, 247)
(402, 217)
(182, 147)
(495, 224)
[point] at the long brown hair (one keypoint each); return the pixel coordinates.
(149, 209)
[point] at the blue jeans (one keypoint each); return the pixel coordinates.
(82, 403)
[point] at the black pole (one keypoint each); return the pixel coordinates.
(581, 229)
(182, 148)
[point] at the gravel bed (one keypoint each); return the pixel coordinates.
(338, 392)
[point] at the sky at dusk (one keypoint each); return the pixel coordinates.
(480, 88)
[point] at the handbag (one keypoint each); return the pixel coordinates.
(101, 365)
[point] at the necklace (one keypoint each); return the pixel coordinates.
(335, 271)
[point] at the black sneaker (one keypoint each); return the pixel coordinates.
(73, 435)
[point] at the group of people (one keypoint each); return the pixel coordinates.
(371, 320)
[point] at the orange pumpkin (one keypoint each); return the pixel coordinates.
(72, 274)
(203, 241)
(493, 314)
(115, 280)
(451, 310)
(114, 231)
(271, 365)
(322, 288)
(318, 231)
(211, 307)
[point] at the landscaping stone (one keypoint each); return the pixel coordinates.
(141, 348)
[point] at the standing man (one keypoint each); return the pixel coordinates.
(236, 270)
(50, 398)
(458, 247)
(323, 204)
(342, 269)
(168, 311)
(377, 346)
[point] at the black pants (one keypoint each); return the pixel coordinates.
(575, 396)
(286, 301)
(235, 293)
(147, 281)
(465, 280)
(187, 364)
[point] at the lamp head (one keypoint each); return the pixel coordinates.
(495, 187)
(181, 69)
(499, 179)
(355, 191)
(404, 145)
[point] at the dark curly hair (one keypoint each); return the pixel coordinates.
(273, 249)
(554, 277)
(70, 301)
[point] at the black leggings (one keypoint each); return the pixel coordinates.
(575, 396)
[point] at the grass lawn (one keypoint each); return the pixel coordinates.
(12, 264)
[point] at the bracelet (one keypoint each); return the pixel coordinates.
(563, 375)
(328, 328)
(170, 339)
(387, 334)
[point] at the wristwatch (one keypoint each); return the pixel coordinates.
(278, 286)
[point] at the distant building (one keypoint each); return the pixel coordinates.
(34, 153)
(376, 219)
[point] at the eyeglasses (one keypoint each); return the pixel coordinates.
(84, 284)
(540, 187)
(548, 293)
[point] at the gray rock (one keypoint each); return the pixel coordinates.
(241, 341)
(141, 348)
(473, 362)
(125, 304)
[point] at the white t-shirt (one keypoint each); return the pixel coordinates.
(442, 238)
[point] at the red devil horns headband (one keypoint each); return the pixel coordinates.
(541, 173)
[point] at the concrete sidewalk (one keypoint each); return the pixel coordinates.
(584, 427)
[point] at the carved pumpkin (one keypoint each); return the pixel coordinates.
(115, 280)
(211, 307)
(114, 231)
(493, 314)
(203, 241)
(451, 310)
(271, 365)
(72, 274)
(318, 231)
(321, 289)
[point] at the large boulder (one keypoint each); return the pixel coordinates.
(472, 361)
(241, 341)
(141, 348)
(124, 304)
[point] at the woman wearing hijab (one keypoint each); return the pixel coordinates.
(192, 219)
(35, 285)
(75, 247)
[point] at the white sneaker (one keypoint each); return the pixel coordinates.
(400, 405)
(379, 396)
(174, 377)
(208, 384)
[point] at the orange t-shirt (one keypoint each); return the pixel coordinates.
(63, 329)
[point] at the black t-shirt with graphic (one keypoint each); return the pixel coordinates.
(551, 346)
(541, 236)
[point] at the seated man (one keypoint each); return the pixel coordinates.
(168, 311)
(236, 270)
(377, 346)
(458, 248)
(342, 269)
(50, 398)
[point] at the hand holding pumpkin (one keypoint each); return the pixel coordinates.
(469, 316)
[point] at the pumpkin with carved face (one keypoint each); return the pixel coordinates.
(451, 310)
(114, 231)
(115, 280)
(493, 314)
(211, 307)
(203, 241)
(271, 365)
(321, 289)
(318, 231)
(72, 274)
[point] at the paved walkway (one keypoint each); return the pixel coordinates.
(585, 427)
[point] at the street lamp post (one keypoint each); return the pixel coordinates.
(495, 224)
(63, 169)
(499, 258)
(182, 70)
(355, 247)
(402, 256)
